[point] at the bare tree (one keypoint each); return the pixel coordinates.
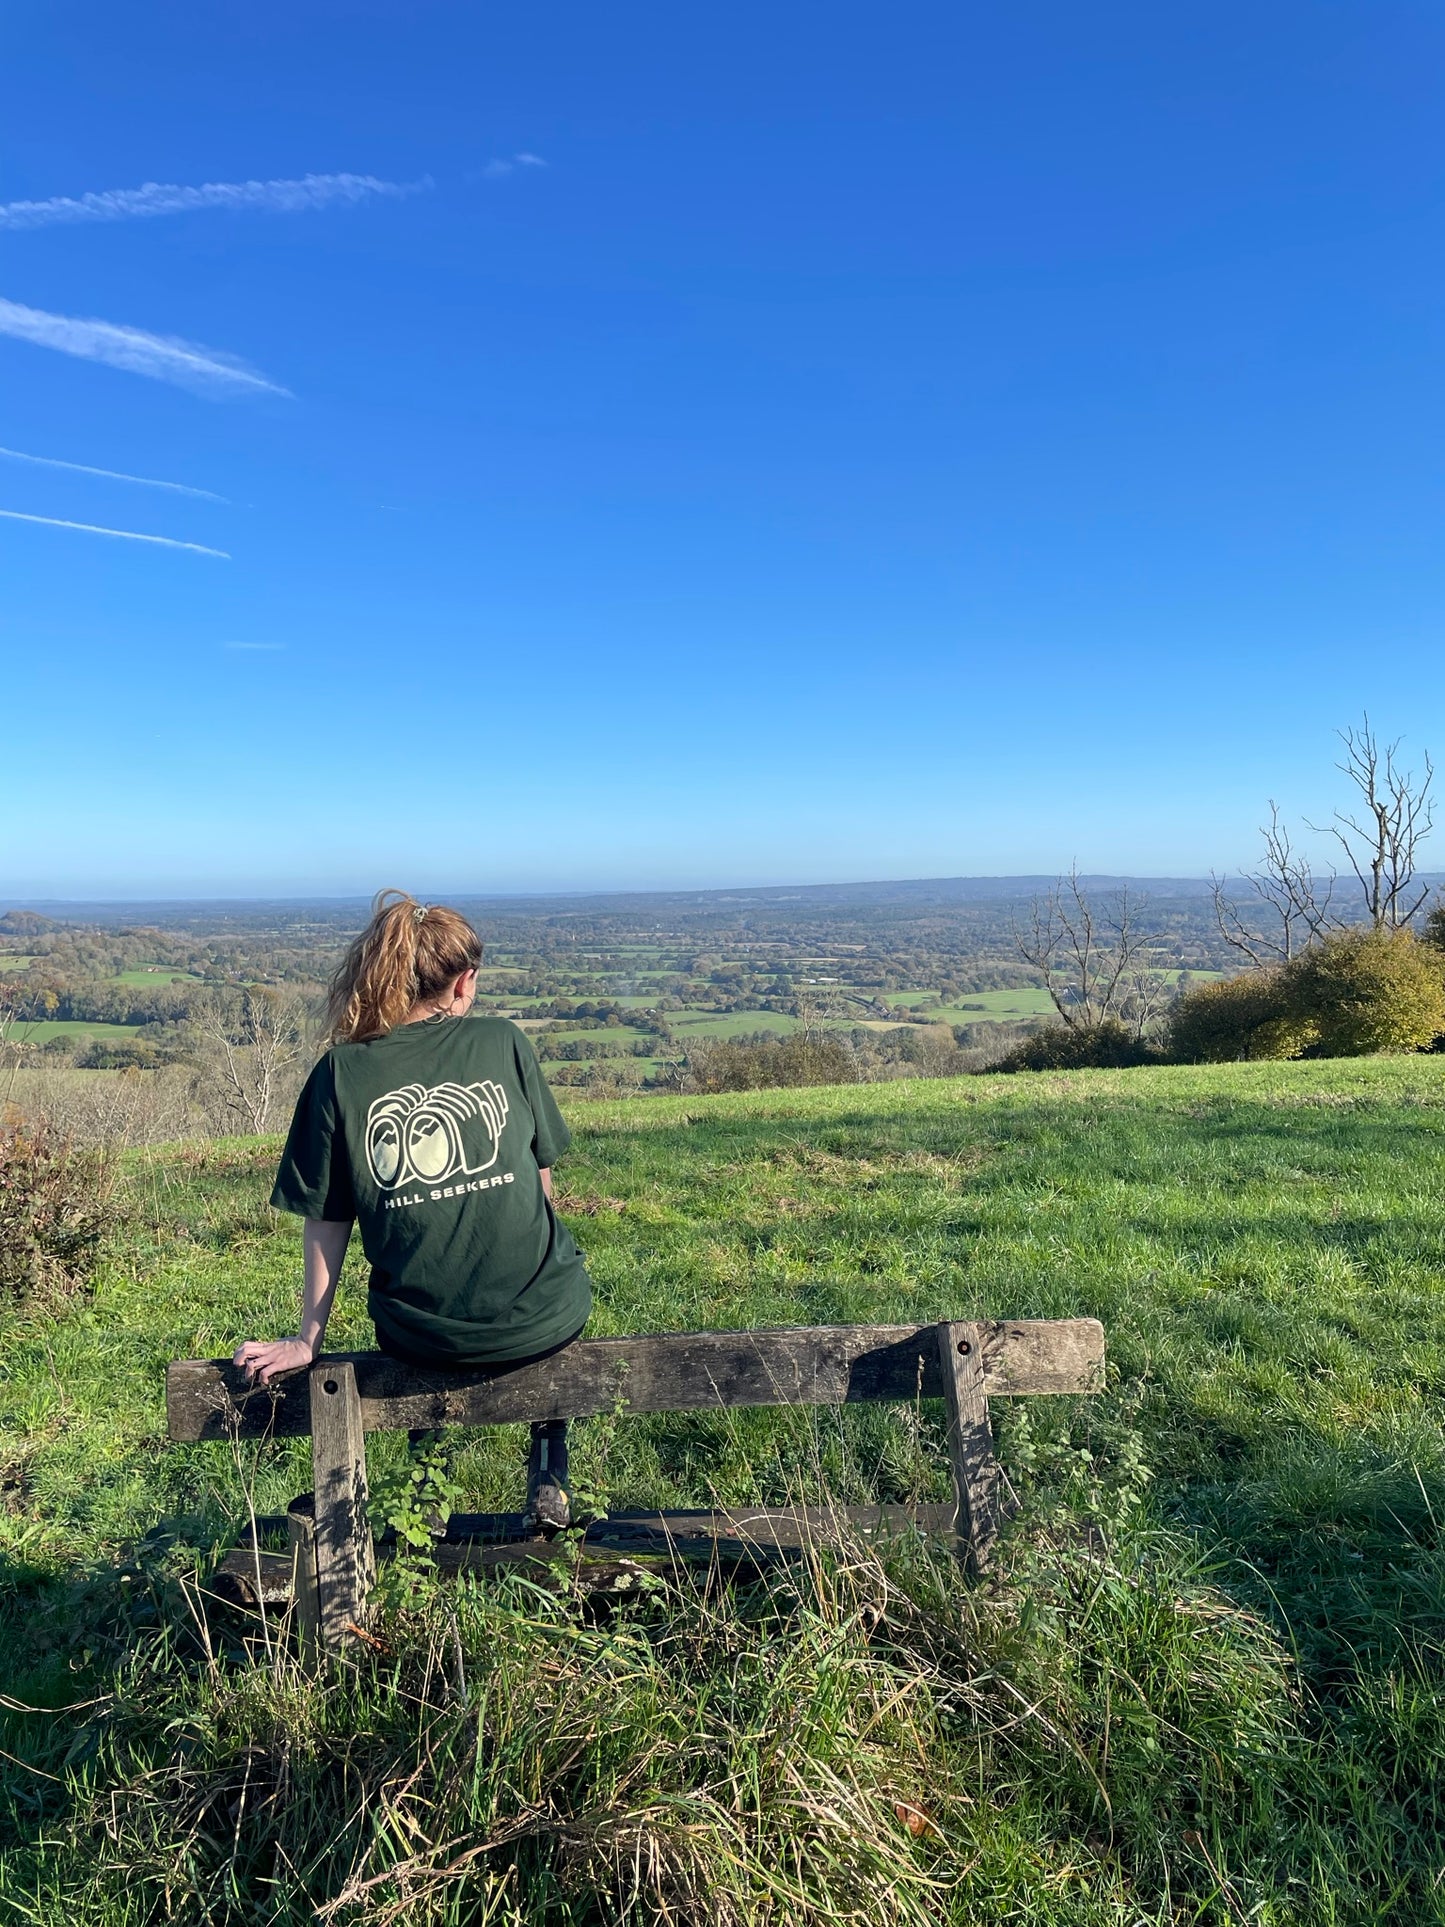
(1296, 902)
(255, 1041)
(1399, 813)
(1095, 964)
(1381, 843)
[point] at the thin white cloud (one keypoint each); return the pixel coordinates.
(494, 170)
(162, 357)
(157, 197)
(125, 535)
(110, 474)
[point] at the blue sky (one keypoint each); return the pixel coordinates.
(677, 446)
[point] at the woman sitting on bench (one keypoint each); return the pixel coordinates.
(438, 1138)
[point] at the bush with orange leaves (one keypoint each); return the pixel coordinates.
(55, 1203)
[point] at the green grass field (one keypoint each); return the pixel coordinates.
(985, 1006)
(44, 1028)
(615, 1033)
(9, 960)
(730, 1023)
(156, 979)
(997, 1007)
(1232, 1711)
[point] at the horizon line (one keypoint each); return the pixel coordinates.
(474, 894)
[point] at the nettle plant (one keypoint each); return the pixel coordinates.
(1103, 1480)
(415, 1501)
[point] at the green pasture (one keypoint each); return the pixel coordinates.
(729, 1023)
(1207, 1684)
(618, 1033)
(9, 960)
(998, 1007)
(156, 979)
(43, 1029)
(980, 1007)
(595, 983)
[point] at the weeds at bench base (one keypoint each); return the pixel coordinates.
(1094, 1735)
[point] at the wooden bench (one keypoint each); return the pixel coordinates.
(330, 1567)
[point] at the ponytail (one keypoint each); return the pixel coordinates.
(408, 952)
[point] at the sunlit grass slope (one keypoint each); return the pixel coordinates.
(1266, 1247)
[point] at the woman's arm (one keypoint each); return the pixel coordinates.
(324, 1242)
(544, 1172)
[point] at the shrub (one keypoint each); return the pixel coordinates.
(1243, 1018)
(766, 1063)
(102, 1055)
(1078, 1047)
(1368, 990)
(54, 1202)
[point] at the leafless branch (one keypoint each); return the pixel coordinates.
(1093, 965)
(1398, 814)
(1295, 902)
(255, 1042)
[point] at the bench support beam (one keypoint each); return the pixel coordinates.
(301, 1547)
(345, 1555)
(970, 1442)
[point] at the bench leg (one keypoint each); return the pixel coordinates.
(345, 1556)
(301, 1533)
(970, 1443)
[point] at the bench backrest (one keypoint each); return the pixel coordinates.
(673, 1372)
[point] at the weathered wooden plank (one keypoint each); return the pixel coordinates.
(799, 1525)
(301, 1532)
(792, 1528)
(634, 1541)
(248, 1578)
(345, 1558)
(970, 1441)
(674, 1372)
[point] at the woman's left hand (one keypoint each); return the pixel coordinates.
(263, 1362)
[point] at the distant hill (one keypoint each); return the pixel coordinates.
(920, 891)
(919, 895)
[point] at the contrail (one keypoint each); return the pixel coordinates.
(110, 474)
(162, 357)
(125, 535)
(157, 197)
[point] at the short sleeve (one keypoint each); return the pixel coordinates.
(550, 1136)
(314, 1179)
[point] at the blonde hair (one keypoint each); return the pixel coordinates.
(409, 952)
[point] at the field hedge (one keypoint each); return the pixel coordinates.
(1355, 993)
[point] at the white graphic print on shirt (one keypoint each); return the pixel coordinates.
(428, 1136)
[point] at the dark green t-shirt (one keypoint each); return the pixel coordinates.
(431, 1138)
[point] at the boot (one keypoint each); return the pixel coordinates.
(548, 1509)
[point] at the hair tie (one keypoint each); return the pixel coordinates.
(419, 914)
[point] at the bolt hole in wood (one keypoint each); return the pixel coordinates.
(964, 1348)
(330, 1387)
